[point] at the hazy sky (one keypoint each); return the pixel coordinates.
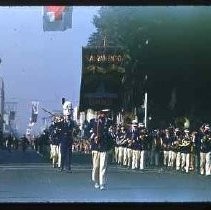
(38, 65)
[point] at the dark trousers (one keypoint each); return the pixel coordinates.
(66, 156)
(197, 161)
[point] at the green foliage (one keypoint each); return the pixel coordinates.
(171, 45)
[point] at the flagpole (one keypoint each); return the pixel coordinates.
(145, 102)
(145, 110)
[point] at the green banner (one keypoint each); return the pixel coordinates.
(101, 80)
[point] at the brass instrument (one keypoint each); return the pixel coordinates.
(185, 142)
(129, 142)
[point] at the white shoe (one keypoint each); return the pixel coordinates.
(97, 185)
(102, 187)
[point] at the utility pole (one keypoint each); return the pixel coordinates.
(104, 41)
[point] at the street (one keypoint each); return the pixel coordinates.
(27, 177)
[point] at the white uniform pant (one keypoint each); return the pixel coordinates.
(129, 157)
(205, 163)
(172, 158)
(185, 161)
(165, 158)
(99, 161)
(116, 152)
(54, 154)
(142, 159)
(59, 155)
(125, 156)
(51, 151)
(178, 160)
(135, 158)
(120, 155)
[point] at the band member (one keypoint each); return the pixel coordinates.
(135, 148)
(65, 142)
(185, 151)
(99, 141)
(177, 141)
(54, 142)
(116, 149)
(129, 137)
(193, 151)
(112, 139)
(122, 143)
(142, 148)
(166, 147)
(205, 153)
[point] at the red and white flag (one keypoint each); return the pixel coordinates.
(57, 18)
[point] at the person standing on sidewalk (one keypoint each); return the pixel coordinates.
(100, 147)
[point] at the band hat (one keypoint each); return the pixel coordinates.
(207, 126)
(186, 131)
(141, 124)
(134, 122)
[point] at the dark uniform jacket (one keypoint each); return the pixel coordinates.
(185, 146)
(100, 138)
(205, 144)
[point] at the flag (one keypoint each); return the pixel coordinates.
(34, 115)
(57, 18)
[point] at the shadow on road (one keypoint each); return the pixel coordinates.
(18, 156)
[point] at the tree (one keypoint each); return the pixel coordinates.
(169, 44)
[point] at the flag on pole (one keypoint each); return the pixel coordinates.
(57, 18)
(34, 115)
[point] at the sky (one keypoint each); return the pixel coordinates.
(38, 65)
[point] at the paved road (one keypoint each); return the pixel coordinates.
(27, 177)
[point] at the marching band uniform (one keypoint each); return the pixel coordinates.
(65, 144)
(122, 142)
(125, 158)
(166, 148)
(179, 152)
(112, 136)
(174, 148)
(116, 148)
(177, 141)
(130, 135)
(185, 151)
(135, 150)
(142, 147)
(54, 144)
(99, 141)
(205, 153)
